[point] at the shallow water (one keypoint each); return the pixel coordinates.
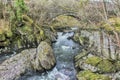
(64, 51)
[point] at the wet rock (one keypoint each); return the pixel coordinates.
(31, 59)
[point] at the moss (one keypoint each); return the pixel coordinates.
(5, 43)
(81, 39)
(2, 37)
(112, 25)
(64, 20)
(26, 29)
(19, 43)
(93, 60)
(106, 66)
(76, 37)
(88, 75)
(9, 33)
(117, 65)
(81, 55)
(1, 31)
(27, 19)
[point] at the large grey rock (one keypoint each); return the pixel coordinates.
(31, 59)
(97, 65)
(45, 55)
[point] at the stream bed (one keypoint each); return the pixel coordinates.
(64, 49)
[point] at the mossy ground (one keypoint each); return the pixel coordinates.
(104, 65)
(93, 60)
(88, 75)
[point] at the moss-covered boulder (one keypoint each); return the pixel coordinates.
(93, 60)
(40, 59)
(100, 65)
(103, 65)
(106, 66)
(88, 75)
(45, 55)
(86, 61)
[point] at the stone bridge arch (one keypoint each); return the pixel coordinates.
(65, 20)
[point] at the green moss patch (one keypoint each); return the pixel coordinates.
(106, 66)
(2, 37)
(112, 25)
(9, 34)
(66, 21)
(88, 75)
(117, 65)
(93, 60)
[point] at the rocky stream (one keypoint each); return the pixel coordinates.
(73, 56)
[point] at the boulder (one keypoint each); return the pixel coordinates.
(97, 66)
(45, 55)
(39, 59)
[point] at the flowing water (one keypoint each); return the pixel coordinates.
(64, 50)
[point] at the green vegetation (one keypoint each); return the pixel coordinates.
(81, 39)
(113, 24)
(17, 11)
(65, 21)
(20, 27)
(20, 9)
(117, 65)
(24, 26)
(104, 65)
(88, 75)
(2, 37)
(93, 60)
